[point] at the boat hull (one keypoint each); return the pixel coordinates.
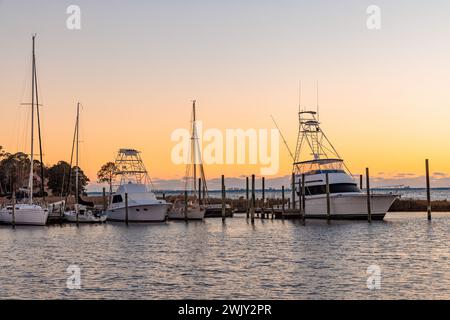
(31, 217)
(139, 213)
(84, 218)
(192, 214)
(348, 206)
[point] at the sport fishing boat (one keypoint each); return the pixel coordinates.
(133, 196)
(347, 200)
(84, 211)
(195, 208)
(29, 213)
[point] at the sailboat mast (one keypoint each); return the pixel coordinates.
(39, 128)
(193, 148)
(30, 180)
(76, 157)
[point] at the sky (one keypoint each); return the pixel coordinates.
(136, 65)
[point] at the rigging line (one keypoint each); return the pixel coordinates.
(284, 140)
(70, 165)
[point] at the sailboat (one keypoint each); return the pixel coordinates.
(347, 201)
(133, 201)
(83, 212)
(194, 209)
(29, 213)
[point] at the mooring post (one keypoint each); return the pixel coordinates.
(327, 180)
(185, 205)
(289, 203)
(303, 198)
(223, 198)
(126, 208)
(104, 198)
(253, 200)
(293, 190)
(282, 199)
(263, 200)
(361, 182)
(369, 209)
(199, 190)
(247, 206)
(77, 211)
(164, 196)
(14, 210)
(427, 168)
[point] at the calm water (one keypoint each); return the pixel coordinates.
(273, 259)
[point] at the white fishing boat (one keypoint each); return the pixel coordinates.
(28, 213)
(347, 200)
(83, 212)
(134, 201)
(195, 208)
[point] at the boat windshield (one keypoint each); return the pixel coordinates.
(320, 166)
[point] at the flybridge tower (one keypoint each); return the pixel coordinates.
(312, 143)
(130, 167)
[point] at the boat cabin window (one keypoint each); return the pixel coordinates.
(334, 188)
(117, 198)
(320, 166)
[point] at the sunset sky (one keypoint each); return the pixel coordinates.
(136, 65)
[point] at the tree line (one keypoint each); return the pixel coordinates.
(14, 176)
(15, 169)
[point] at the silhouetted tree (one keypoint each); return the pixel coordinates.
(107, 173)
(58, 179)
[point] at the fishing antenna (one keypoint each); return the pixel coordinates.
(282, 137)
(317, 99)
(299, 95)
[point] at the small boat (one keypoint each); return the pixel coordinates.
(347, 200)
(83, 214)
(134, 201)
(28, 213)
(194, 209)
(24, 214)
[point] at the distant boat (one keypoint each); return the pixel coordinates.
(83, 212)
(143, 206)
(28, 213)
(347, 201)
(192, 209)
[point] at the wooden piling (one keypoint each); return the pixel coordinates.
(369, 209)
(247, 206)
(185, 205)
(327, 181)
(200, 191)
(282, 199)
(263, 199)
(253, 200)
(223, 198)
(361, 181)
(126, 208)
(293, 190)
(13, 222)
(303, 198)
(427, 169)
(104, 199)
